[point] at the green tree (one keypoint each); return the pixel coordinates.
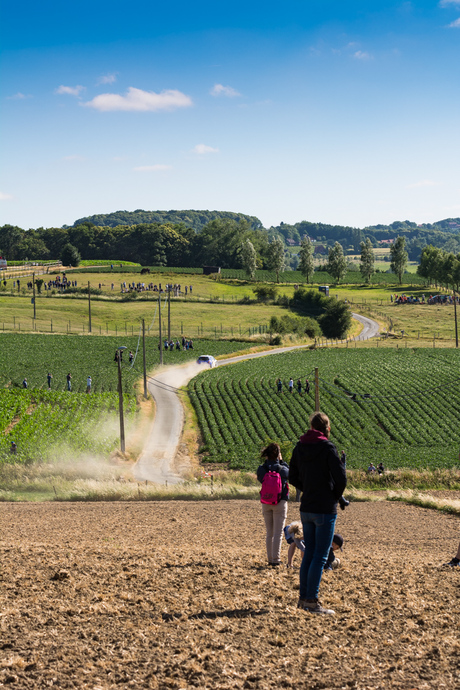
(450, 269)
(10, 239)
(399, 257)
(275, 258)
(70, 256)
(220, 241)
(366, 265)
(430, 263)
(264, 293)
(306, 264)
(248, 258)
(336, 262)
(336, 319)
(357, 238)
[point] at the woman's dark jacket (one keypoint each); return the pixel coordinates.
(318, 472)
(277, 466)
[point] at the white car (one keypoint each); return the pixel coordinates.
(207, 359)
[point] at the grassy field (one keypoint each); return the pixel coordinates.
(68, 314)
(213, 309)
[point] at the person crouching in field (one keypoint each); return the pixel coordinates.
(317, 470)
(273, 475)
(294, 536)
(332, 561)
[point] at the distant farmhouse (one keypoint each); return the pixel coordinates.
(320, 249)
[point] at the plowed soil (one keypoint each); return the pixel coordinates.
(177, 595)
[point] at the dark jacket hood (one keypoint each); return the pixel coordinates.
(313, 436)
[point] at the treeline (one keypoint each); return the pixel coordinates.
(150, 244)
(444, 234)
(191, 219)
(440, 267)
(197, 238)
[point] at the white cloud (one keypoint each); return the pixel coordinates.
(5, 197)
(362, 55)
(202, 149)
(454, 25)
(107, 79)
(18, 96)
(152, 168)
(422, 183)
(70, 90)
(138, 100)
(220, 90)
(448, 3)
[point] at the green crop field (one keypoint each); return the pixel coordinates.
(48, 425)
(32, 356)
(51, 425)
(400, 407)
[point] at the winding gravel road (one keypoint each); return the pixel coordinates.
(157, 460)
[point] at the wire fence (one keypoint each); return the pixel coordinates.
(200, 330)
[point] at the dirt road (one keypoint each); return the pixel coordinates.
(156, 463)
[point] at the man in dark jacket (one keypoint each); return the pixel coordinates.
(317, 470)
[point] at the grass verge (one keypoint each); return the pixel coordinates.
(102, 481)
(421, 480)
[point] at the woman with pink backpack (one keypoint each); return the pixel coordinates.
(273, 474)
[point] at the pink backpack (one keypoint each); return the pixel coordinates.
(272, 486)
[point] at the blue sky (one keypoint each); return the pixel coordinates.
(339, 112)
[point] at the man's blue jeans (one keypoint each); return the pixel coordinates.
(318, 532)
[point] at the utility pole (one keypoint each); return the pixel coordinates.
(159, 323)
(316, 389)
(89, 307)
(169, 313)
(33, 283)
(455, 317)
(120, 400)
(143, 350)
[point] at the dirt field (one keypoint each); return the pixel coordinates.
(177, 595)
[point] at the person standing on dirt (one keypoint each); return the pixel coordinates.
(274, 513)
(455, 562)
(317, 470)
